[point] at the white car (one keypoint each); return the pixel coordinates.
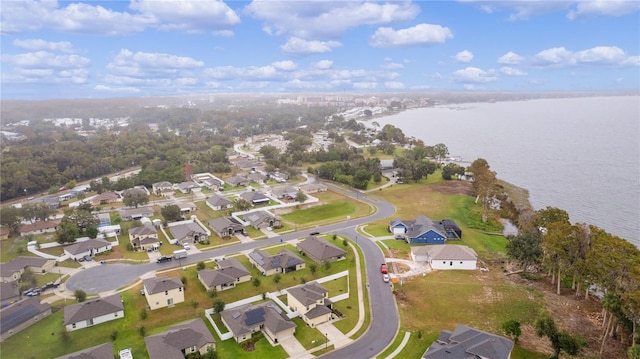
(385, 278)
(186, 246)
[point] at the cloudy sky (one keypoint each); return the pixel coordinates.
(95, 49)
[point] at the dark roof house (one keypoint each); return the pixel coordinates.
(283, 262)
(180, 340)
(466, 342)
(20, 315)
(229, 273)
(321, 250)
(226, 226)
(102, 351)
(92, 312)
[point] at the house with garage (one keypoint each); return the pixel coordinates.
(102, 351)
(104, 198)
(187, 232)
(181, 340)
(219, 203)
(422, 230)
(262, 219)
(467, 342)
(283, 262)
(13, 270)
(93, 312)
(321, 250)
(163, 189)
(229, 273)
(446, 256)
(257, 177)
(286, 193)
(226, 226)
(163, 292)
(21, 315)
(311, 301)
(144, 237)
(89, 247)
(267, 317)
(255, 198)
(208, 180)
(188, 187)
(133, 214)
(186, 207)
(314, 188)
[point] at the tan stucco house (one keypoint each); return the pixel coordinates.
(163, 292)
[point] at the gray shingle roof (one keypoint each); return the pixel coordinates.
(145, 230)
(92, 308)
(308, 293)
(183, 230)
(218, 201)
(80, 247)
(162, 284)
(171, 343)
(320, 249)
(102, 351)
(467, 342)
(230, 270)
(20, 312)
(284, 259)
(20, 263)
(446, 252)
(268, 313)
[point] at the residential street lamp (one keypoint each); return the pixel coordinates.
(326, 341)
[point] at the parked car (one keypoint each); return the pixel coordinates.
(164, 259)
(33, 292)
(49, 285)
(383, 269)
(385, 278)
(87, 258)
(186, 246)
(314, 233)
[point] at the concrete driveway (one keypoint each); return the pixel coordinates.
(336, 337)
(293, 347)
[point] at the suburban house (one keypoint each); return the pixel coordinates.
(13, 270)
(188, 186)
(163, 292)
(423, 230)
(186, 207)
(285, 192)
(21, 315)
(104, 198)
(283, 262)
(9, 293)
(132, 214)
(320, 250)
(89, 247)
(262, 219)
(446, 256)
(208, 180)
(237, 181)
(311, 301)
(93, 312)
(255, 198)
(39, 227)
(467, 342)
(226, 226)
(314, 188)
(278, 177)
(229, 273)
(218, 203)
(267, 317)
(102, 351)
(181, 340)
(144, 237)
(188, 232)
(257, 177)
(163, 189)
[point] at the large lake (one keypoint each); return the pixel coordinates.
(578, 154)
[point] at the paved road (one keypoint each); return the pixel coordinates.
(384, 313)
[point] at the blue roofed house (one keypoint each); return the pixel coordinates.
(423, 230)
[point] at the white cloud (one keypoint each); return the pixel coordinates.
(390, 65)
(510, 58)
(326, 19)
(421, 34)
(285, 65)
(300, 47)
(365, 85)
(599, 55)
(464, 56)
(510, 71)
(45, 59)
(520, 10)
(394, 85)
(39, 44)
(150, 63)
(243, 73)
(474, 75)
(603, 8)
(323, 64)
(103, 88)
(188, 15)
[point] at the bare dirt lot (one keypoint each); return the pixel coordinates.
(453, 187)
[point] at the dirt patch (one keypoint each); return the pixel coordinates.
(453, 187)
(578, 316)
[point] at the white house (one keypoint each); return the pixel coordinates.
(93, 312)
(446, 256)
(87, 248)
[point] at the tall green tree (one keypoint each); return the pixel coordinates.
(170, 213)
(484, 184)
(135, 197)
(11, 218)
(525, 248)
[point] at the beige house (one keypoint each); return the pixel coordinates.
(39, 227)
(181, 340)
(267, 317)
(93, 312)
(283, 262)
(229, 273)
(163, 189)
(163, 292)
(144, 237)
(311, 301)
(12, 271)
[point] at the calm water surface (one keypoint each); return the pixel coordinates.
(578, 154)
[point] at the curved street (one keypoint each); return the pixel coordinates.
(384, 322)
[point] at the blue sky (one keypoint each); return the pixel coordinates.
(96, 49)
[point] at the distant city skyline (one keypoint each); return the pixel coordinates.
(103, 49)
